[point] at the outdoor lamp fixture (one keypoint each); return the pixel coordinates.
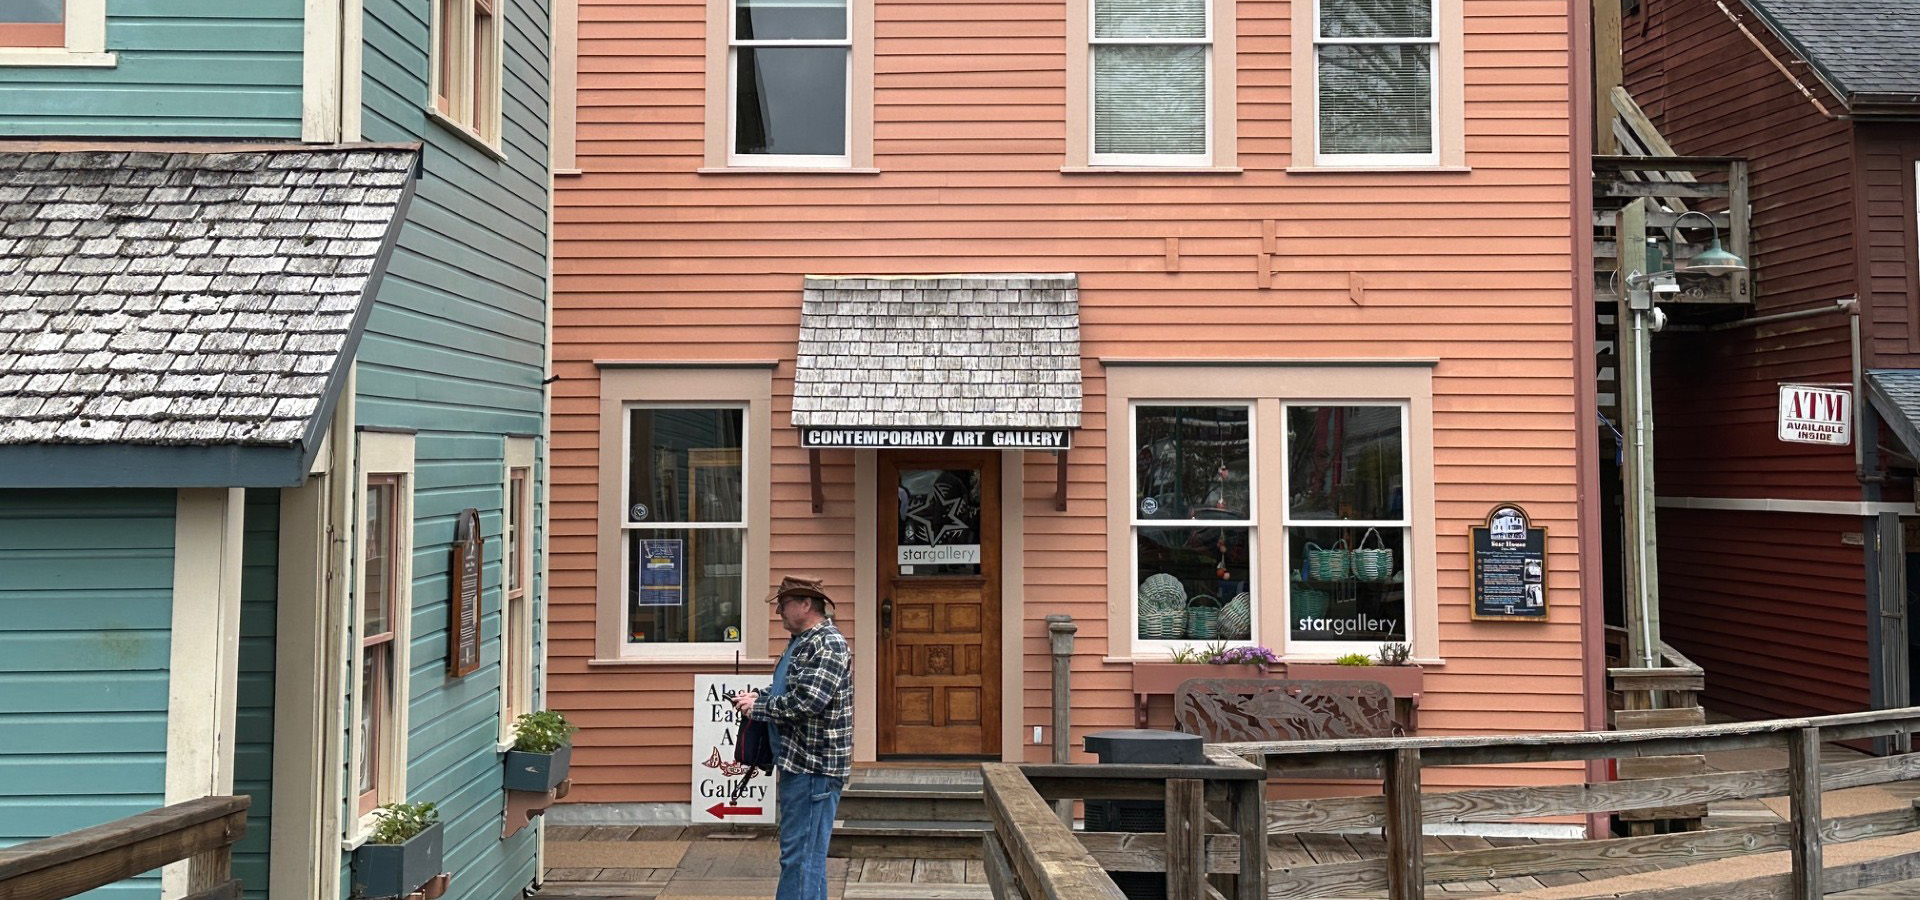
(1715, 260)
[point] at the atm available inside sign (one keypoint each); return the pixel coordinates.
(1813, 414)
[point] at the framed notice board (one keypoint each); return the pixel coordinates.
(1509, 567)
(463, 600)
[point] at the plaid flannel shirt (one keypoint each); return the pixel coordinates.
(815, 714)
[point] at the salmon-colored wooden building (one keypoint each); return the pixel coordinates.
(1137, 312)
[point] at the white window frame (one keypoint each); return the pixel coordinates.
(466, 114)
(86, 41)
(1095, 42)
(1368, 647)
(694, 649)
(1161, 647)
(1434, 88)
(516, 612)
(764, 160)
(382, 453)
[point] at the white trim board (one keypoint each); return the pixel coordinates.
(204, 662)
(1818, 507)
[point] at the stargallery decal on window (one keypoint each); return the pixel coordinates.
(1346, 523)
(685, 530)
(1151, 70)
(1374, 64)
(789, 65)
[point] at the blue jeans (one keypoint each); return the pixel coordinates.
(807, 806)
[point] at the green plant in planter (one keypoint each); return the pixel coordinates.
(400, 822)
(542, 732)
(1187, 655)
(1354, 659)
(1393, 654)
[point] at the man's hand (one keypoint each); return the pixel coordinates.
(743, 701)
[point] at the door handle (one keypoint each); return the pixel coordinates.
(886, 617)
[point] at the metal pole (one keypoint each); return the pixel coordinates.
(1636, 412)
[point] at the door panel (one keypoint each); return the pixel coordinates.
(940, 605)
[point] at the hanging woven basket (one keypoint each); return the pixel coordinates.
(1372, 563)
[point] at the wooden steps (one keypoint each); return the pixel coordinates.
(909, 811)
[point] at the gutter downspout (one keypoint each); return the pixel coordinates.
(1849, 305)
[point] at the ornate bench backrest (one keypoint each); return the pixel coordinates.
(1260, 709)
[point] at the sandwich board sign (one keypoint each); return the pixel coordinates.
(716, 777)
(1816, 414)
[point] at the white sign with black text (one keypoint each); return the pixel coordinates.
(1816, 414)
(716, 776)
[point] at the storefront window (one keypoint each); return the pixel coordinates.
(1346, 523)
(1193, 522)
(685, 532)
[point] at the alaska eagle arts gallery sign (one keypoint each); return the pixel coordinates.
(717, 792)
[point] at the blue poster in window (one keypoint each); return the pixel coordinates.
(661, 575)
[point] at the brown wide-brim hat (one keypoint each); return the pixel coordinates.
(799, 586)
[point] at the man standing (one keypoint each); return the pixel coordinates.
(810, 708)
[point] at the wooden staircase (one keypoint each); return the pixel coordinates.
(934, 811)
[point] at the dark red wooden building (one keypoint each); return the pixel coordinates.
(1783, 567)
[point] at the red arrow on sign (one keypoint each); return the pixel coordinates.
(721, 810)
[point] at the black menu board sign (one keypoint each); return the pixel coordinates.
(1509, 567)
(463, 629)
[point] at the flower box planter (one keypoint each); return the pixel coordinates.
(1404, 682)
(1151, 678)
(396, 870)
(537, 772)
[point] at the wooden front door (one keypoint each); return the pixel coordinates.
(939, 604)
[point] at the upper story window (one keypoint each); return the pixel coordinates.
(466, 66)
(790, 64)
(33, 23)
(1376, 69)
(1151, 80)
(685, 526)
(54, 33)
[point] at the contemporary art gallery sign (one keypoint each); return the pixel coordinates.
(938, 438)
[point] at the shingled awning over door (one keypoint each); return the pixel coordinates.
(937, 361)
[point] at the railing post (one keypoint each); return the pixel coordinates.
(1803, 787)
(1060, 631)
(1406, 873)
(1250, 822)
(1186, 839)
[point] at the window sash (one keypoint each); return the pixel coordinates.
(1430, 40)
(518, 552)
(1288, 519)
(1404, 524)
(1095, 42)
(626, 470)
(735, 42)
(376, 684)
(1253, 465)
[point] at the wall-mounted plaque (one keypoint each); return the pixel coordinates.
(463, 601)
(1509, 567)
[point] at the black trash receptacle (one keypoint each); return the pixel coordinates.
(1139, 746)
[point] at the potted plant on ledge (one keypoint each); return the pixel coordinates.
(403, 855)
(542, 749)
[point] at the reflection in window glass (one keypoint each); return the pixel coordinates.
(685, 466)
(791, 101)
(685, 585)
(1344, 462)
(939, 522)
(1347, 524)
(1192, 462)
(37, 12)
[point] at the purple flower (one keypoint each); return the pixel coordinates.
(1246, 656)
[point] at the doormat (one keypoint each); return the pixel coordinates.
(615, 854)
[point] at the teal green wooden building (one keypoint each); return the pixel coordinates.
(273, 319)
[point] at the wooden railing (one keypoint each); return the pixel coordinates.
(1402, 808)
(1032, 855)
(202, 831)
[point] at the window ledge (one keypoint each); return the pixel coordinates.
(1151, 170)
(568, 173)
(1335, 170)
(466, 134)
(1135, 660)
(362, 831)
(657, 661)
(504, 745)
(786, 170)
(55, 56)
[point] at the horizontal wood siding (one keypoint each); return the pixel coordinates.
(1884, 156)
(253, 745)
(455, 351)
(1475, 269)
(1770, 604)
(204, 68)
(1712, 93)
(86, 588)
